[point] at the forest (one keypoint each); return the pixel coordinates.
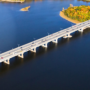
(80, 13)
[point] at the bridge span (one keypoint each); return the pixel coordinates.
(65, 33)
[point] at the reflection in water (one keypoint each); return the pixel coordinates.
(55, 45)
(4, 68)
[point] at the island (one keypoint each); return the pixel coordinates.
(25, 9)
(76, 14)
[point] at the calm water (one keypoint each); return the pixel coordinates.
(62, 66)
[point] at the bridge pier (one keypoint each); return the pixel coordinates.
(7, 61)
(67, 36)
(80, 30)
(21, 55)
(45, 45)
(55, 41)
(33, 50)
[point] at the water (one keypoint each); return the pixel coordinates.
(62, 66)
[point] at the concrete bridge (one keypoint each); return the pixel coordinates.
(65, 33)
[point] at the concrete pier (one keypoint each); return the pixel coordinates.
(55, 41)
(21, 55)
(7, 61)
(67, 36)
(81, 30)
(33, 50)
(44, 45)
(65, 33)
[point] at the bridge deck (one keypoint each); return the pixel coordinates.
(44, 40)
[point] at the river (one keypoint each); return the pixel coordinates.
(62, 66)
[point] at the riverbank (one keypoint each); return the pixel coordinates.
(68, 19)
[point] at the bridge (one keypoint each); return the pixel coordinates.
(65, 33)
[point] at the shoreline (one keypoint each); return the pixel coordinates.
(67, 18)
(14, 1)
(25, 9)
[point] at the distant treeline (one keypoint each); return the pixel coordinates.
(41, 0)
(12, 0)
(20, 0)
